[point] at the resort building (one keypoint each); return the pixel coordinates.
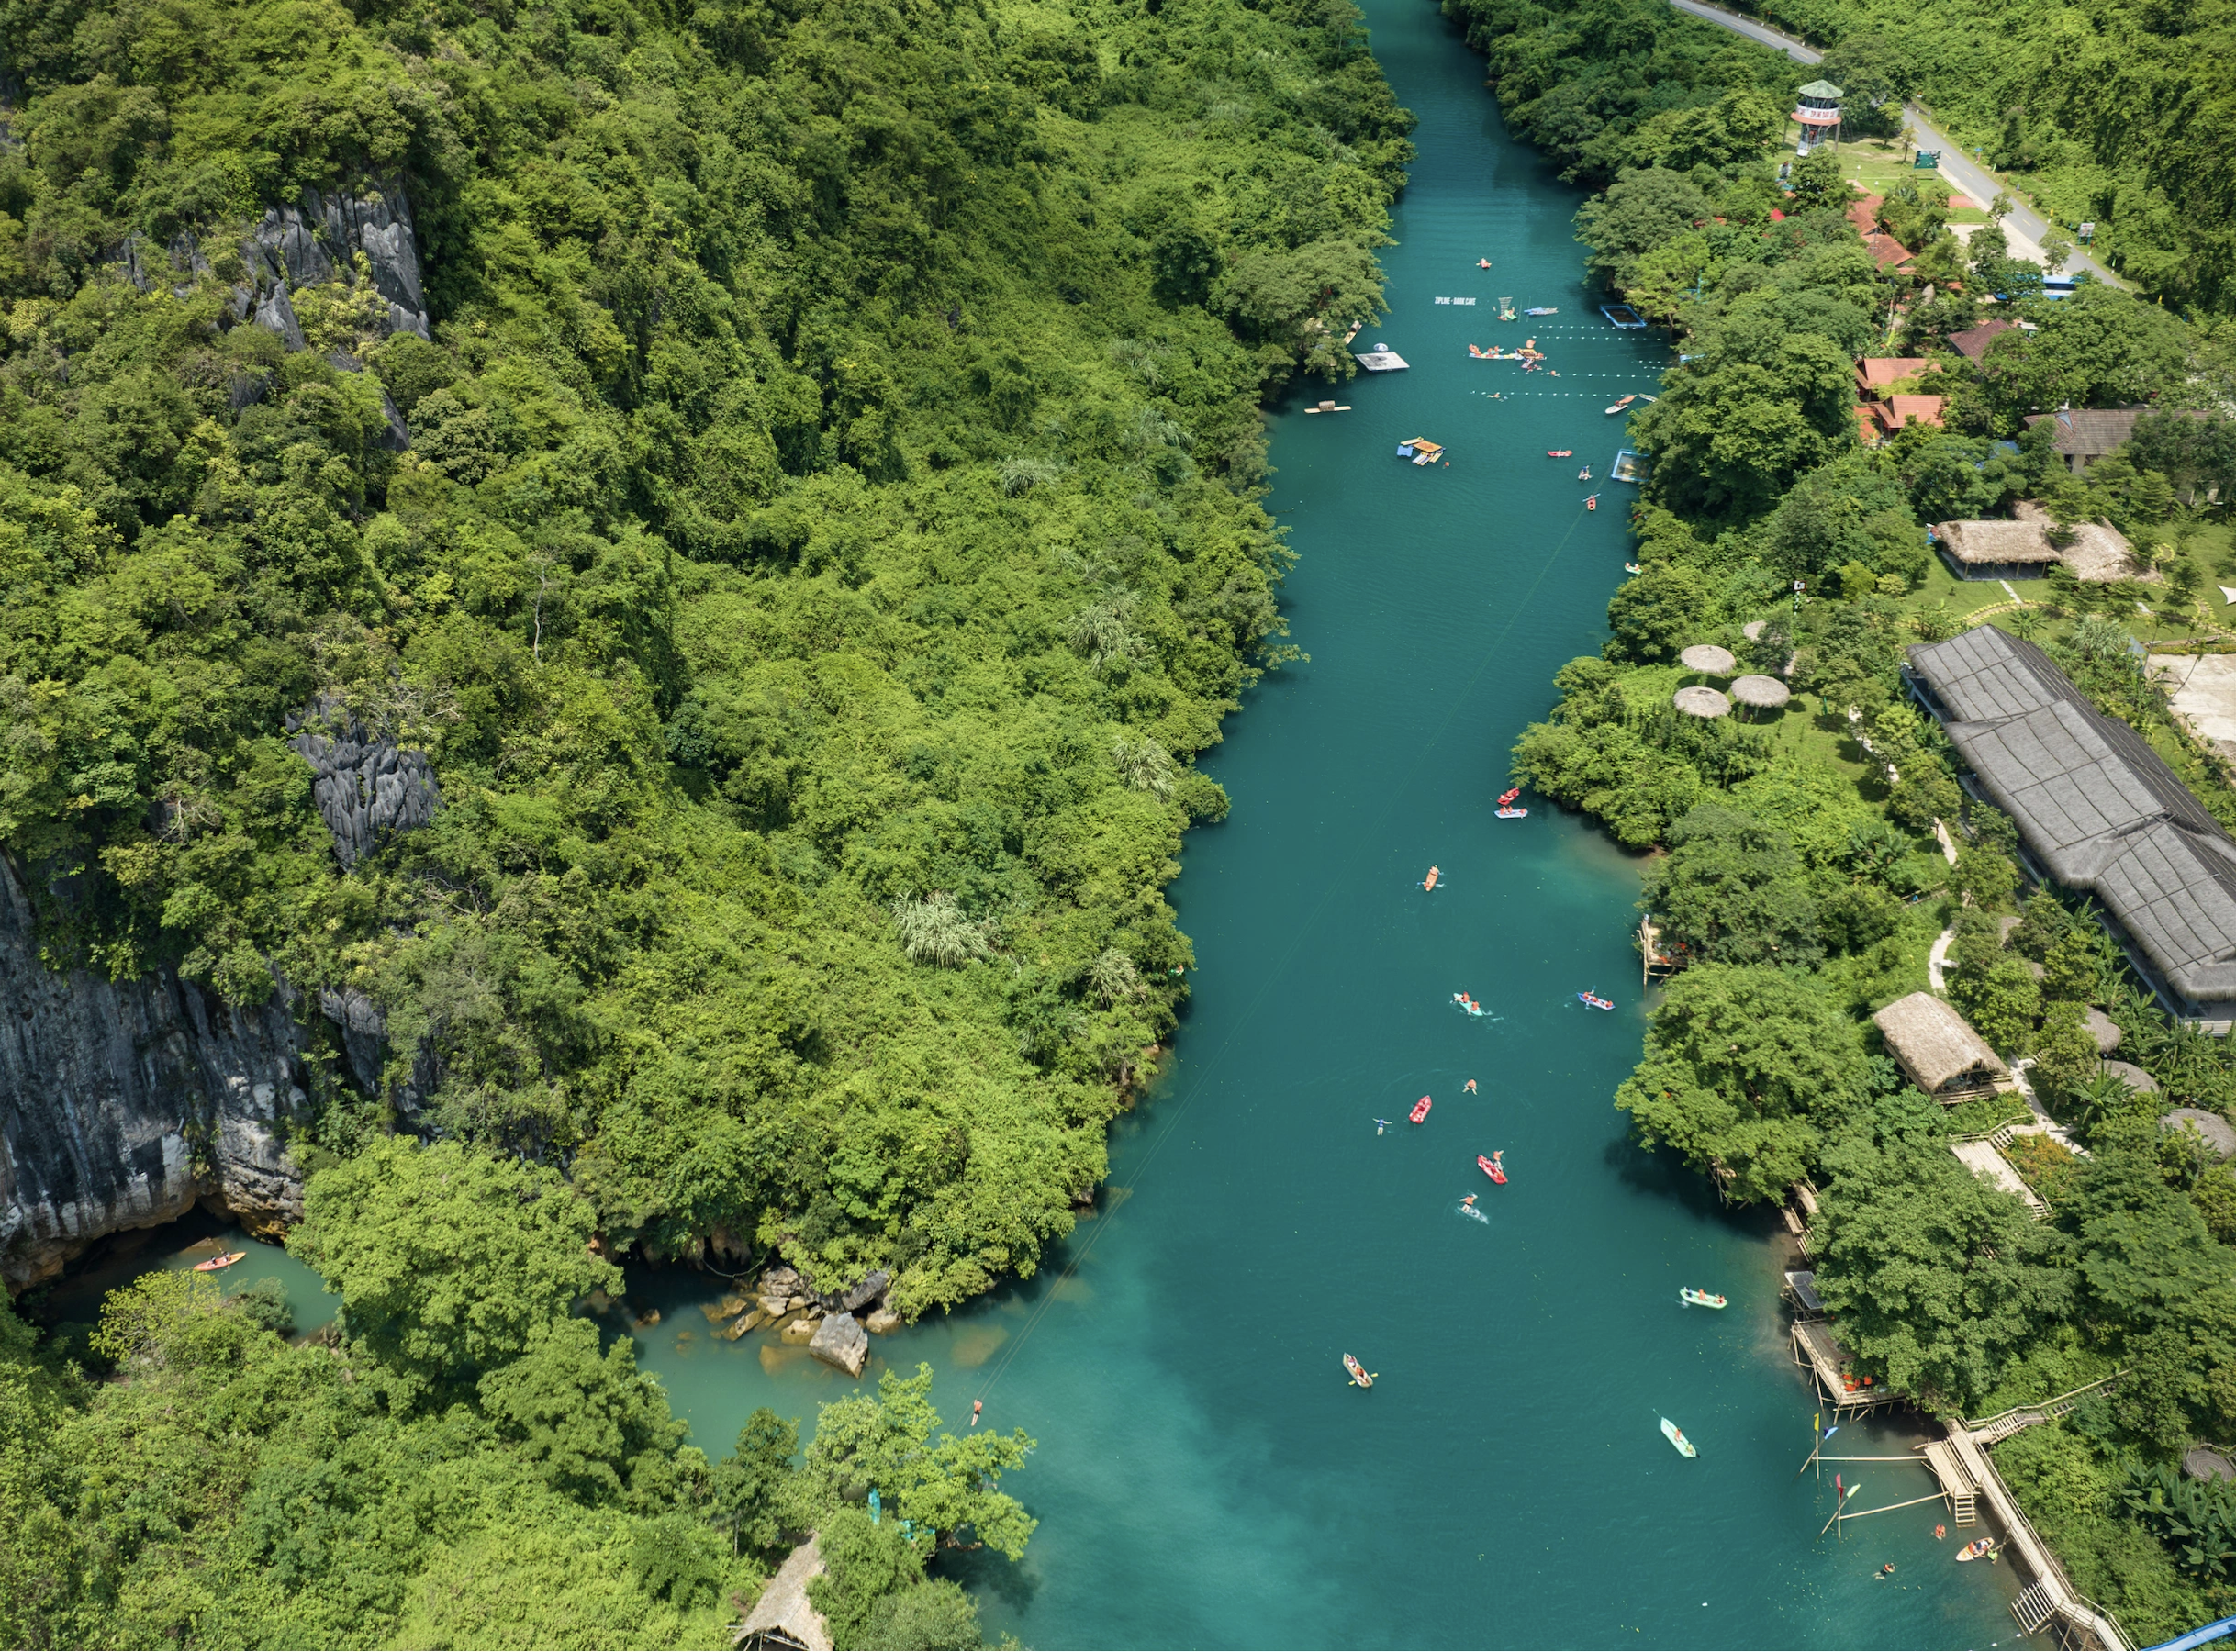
(1879, 412)
(2021, 547)
(1938, 1051)
(1972, 342)
(2097, 811)
(2089, 434)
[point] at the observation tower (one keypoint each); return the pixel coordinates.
(1819, 111)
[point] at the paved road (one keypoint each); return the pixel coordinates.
(2023, 225)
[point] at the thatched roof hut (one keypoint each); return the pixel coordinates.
(1700, 702)
(783, 1617)
(1937, 1048)
(1764, 692)
(2133, 1077)
(2104, 1029)
(2021, 549)
(2218, 1133)
(1707, 658)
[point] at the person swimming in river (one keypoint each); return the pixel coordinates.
(1381, 1125)
(1469, 1088)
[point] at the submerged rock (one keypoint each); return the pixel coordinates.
(803, 1329)
(728, 1308)
(840, 1341)
(883, 1322)
(740, 1325)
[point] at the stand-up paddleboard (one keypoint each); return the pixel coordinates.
(1675, 1436)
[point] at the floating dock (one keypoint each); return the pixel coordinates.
(1627, 467)
(1622, 315)
(1383, 361)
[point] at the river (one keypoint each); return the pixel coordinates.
(1206, 1475)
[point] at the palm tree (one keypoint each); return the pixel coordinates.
(2102, 1096)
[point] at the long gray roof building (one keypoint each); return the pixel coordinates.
(2097, 810)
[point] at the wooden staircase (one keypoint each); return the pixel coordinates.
(1960, 1509)
(2033, 1608)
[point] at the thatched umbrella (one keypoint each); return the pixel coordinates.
(1700, 702)
(1709, 660)
(1764, 692)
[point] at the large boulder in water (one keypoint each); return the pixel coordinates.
(841, 1341)
(857, 1297)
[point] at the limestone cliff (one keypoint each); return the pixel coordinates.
(123, 1103)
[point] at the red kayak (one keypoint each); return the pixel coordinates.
(1420, 1110)
(1491, 1167)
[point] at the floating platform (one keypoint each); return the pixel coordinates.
(1627, 467)
(1622, 315)
(1383, 361)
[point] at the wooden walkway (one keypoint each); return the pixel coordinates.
(1969, 1478)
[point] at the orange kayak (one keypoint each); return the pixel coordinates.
(215, 1263)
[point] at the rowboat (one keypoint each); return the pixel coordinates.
(1430, 881)
(1675, 1436)
(1360, 1376)
(1491, 1167)
(1701, 1299)
(1561, 452)
(1506, 797)
(1621, 405)
(1512, 814)
(1591, 998)
(1975, 1548)
(215, 1263)
(1549, 309)
(1420, 1110)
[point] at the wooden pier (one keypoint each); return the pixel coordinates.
(1819, 1352)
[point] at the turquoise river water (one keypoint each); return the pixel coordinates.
(1206, 1475)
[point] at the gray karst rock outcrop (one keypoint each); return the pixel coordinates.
(123, 1103)
(317, 239)
(365, 784)
(320, 234)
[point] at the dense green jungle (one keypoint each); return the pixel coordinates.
(809, 540)
(1795, 867)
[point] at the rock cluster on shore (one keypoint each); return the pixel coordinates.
(835, 1326)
